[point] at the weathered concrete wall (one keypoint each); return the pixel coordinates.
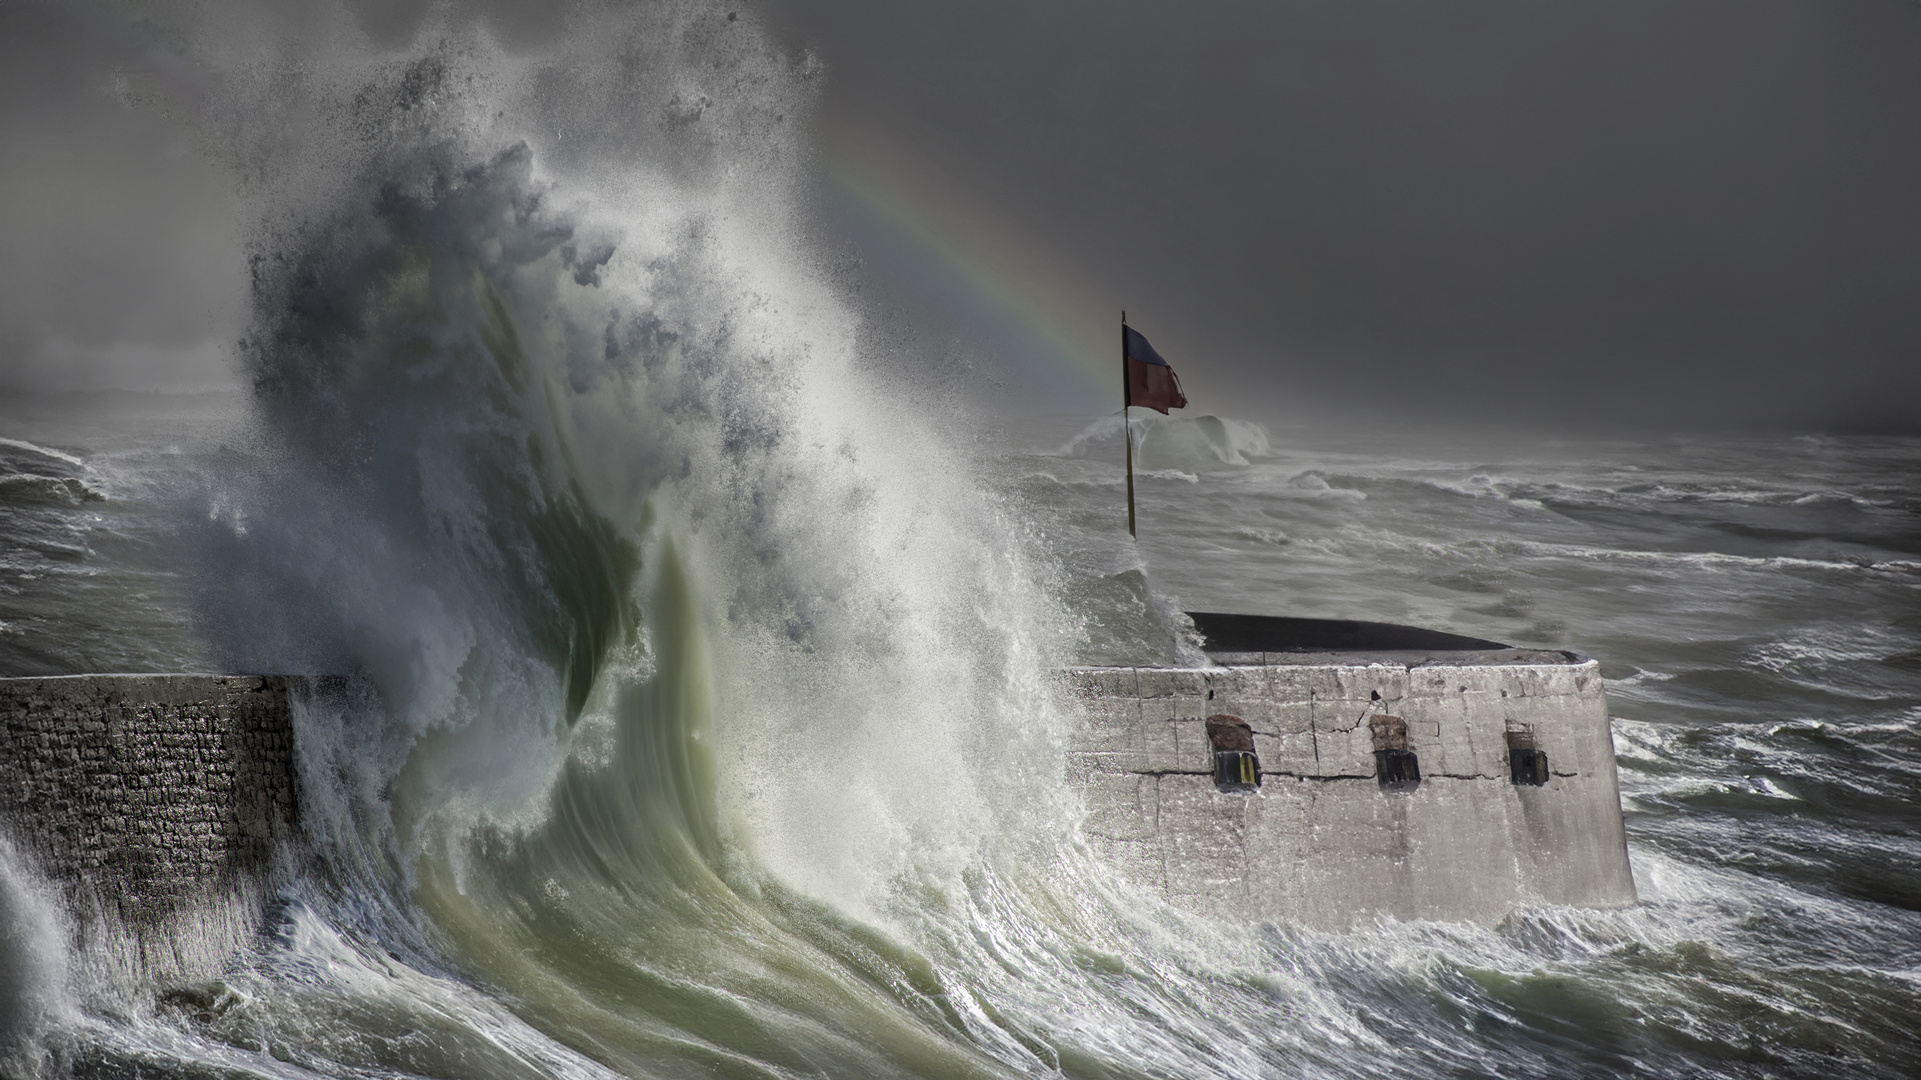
(1322, 843)
(148, 790)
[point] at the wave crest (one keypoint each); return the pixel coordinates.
(1175, 443)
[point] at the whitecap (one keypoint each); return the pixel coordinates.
(1199, 442)
(1313, 485)
(1265, 536)
(44, 451)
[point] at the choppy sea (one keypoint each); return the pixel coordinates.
(714, 734)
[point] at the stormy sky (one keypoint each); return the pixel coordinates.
(1677, 214)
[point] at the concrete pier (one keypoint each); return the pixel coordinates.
(142, 793)
(1455, 781)
(1516, 800)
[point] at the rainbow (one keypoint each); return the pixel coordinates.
(1035, 312)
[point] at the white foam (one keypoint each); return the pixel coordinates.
(35, 996)
(44, 451)
(519, 425)
(1176, 442)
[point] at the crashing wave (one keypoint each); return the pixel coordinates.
(1175, 443)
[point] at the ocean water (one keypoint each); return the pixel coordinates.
(714, 734)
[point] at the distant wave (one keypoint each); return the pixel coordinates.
(1716, 559)
(43, 451)
(1350, 540)
(55, 490)
(1537, 492)
(1189, 443)
(1315, 485)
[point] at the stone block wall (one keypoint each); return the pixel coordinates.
(1323, 842)
(149, 790)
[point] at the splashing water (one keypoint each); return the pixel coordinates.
(704, 724)
(688, 643)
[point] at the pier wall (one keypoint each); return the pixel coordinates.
(1323, 842)
(148, 791)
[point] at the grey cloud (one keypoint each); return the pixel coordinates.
(123, 260)
(1626, 210)
(1643, 212)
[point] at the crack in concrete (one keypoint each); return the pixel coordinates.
(1264, 772)
(1333, 776)
(1318, 776)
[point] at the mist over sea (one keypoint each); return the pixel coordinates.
(714, 733)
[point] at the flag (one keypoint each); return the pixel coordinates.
(1151, 384)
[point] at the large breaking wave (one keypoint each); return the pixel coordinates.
(701, 722)
(680, 621)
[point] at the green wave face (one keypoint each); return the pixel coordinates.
(697, 672)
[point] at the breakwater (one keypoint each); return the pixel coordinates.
(142, 793)
(1413, 784)
(1316, 788)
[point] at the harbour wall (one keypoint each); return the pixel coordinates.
(141, 794)
(1517, 801)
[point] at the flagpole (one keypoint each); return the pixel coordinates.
(1127, 425)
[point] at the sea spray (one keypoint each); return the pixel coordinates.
(451, 482)
(35, 994)
(839, 844)
(1201, 442)
(688, 636)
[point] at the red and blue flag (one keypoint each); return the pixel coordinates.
(1151, 384)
